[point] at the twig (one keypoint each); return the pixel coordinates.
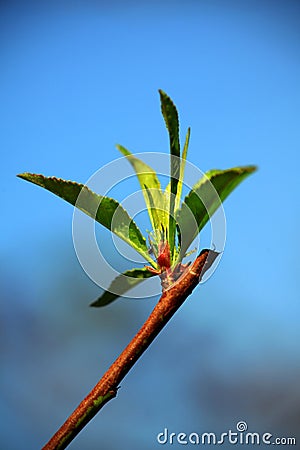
(107, 387)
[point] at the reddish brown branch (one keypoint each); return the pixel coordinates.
(107, 387)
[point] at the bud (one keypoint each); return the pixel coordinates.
(164, 257)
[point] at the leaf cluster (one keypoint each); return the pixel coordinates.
(175, 223)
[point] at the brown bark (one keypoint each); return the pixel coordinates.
(107, 387)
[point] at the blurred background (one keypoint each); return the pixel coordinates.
(78, 77)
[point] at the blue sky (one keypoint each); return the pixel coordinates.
(78, 78)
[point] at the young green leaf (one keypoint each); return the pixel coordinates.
(205, 198)
(148, 177)
(182, 167)
(121, 284)
(167, 195)
(107, 211)
(155, 213)
(170, 115)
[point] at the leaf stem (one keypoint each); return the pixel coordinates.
(107, 387)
